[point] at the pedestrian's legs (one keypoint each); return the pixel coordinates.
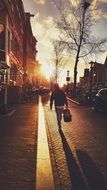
(59, 112)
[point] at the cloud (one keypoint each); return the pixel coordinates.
(98, 9)
(103, 1)
(75, 2)
(41, 2)
(44, 30)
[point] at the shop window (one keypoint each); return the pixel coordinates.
(8, 41)
(2, 42)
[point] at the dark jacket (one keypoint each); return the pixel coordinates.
(59, 98)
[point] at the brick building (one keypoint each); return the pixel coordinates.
(17, 48)
(29, 49)
(96, 76)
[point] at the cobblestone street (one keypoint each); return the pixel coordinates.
(78, 152)
(18, 148)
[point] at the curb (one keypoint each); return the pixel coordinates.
(73, 101)
(8, 114)
(44, 173)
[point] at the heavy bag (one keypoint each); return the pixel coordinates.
(67, 115)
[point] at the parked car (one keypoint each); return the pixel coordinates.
(43, 90)
(100, 100)
(86, 97)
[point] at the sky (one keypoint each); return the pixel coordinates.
(43, 29)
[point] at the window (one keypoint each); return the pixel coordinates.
(2, 42)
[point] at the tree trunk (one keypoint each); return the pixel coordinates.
(75, 77)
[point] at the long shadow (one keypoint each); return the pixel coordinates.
(94, 177)
(77, 180)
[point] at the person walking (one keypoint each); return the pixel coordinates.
(59, 99)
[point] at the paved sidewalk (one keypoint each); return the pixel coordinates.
(58, 157)
(66, 170)
(18, 148)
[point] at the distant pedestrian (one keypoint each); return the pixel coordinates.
(59, 98)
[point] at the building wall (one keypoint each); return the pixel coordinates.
(105, 71)
(29, 49)
(17, 50)
(97, 76)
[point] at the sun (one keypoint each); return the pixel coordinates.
(47, 70)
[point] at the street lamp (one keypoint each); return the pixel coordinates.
(91, 75)
(67, 79)
(86, 5)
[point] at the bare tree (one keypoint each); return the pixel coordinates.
(75, 28)
(57, 60)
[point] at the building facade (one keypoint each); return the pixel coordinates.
(17, 48)
(95, 77)
(30, 51)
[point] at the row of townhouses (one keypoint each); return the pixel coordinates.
(95, 77)
(18, 64)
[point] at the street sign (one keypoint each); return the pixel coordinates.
(67, 78)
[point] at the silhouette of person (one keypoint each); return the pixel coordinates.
(59, 99)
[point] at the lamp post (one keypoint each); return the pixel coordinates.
(82, 24)
(91, 75)
(67, 79)
(86, 5)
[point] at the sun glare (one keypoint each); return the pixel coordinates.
(47, 71)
